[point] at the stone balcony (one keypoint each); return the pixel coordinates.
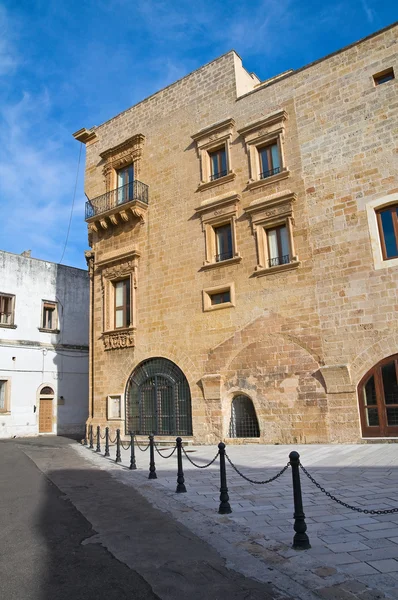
(118, 205)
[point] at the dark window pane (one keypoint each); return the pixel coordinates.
(269, 160)
(243, 421)
(221, 298)
(388, 232)
(372, 417)
(128, 318)
(392, 417)
(370, 392)
(218, 163)
(390, 383)
(223, 242)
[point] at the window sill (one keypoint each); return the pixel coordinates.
(218, 306)
(260, 271)
(5, 413)
(210, 184)
(267, 180)
(8, 326)
(222, 263)
(44, 330)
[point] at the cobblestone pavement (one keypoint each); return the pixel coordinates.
(353, 555)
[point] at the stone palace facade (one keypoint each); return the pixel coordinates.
(244, 254)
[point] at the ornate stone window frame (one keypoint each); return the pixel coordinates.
(268, 213)
(113, 269)
(256, 136)
(219, 289)
(207, 140)
(214, 213)
(126, 153)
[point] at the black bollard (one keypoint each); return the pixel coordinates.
(180, 473)
(152, 467)
(85, 442)
(133, 465)
(300, 540)
(225, 507)
(98, 449)
(118, 457)
(106, 441)
(91, 438)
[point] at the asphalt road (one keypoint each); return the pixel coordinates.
(41, 555)
(69, 530)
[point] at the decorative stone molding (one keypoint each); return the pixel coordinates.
(209, 139)
(266, 213)
(118, 339)
(214, 213)
(259, 134)
(127, 153)
(113, 268)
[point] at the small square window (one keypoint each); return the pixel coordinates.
(269, 160)
(218, 163)
(219, 297)
(387, 219)
(7, 302)
(122, 294)
(49, 320)
(384, 76)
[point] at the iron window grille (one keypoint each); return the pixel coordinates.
(243, 423)
(279, 260)
(158, 399)
(218, 163)
(270, 172)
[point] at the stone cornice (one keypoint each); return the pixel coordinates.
(135, 140)
(272, 119)
(213, 129)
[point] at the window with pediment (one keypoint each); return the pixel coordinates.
(264, 141)
(213, 145)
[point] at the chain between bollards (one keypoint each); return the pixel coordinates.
(152, 466)
(91, 438)
(300, 540)
(106, 441)
(98, 449)
(133, 465)
(225, 507)
(180, 473)
(118, 457)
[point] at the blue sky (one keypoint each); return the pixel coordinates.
(76, 63)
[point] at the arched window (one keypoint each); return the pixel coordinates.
(158, 399)
(378, 399)
(47, 391)
(244, 423)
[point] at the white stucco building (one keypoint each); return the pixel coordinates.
(44, 329)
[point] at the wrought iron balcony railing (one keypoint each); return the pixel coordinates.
(266, 174)
(279, 260)
(218, 175)
(135, 190)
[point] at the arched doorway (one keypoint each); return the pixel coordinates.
(158, 399)
(244, 422)
(378, 399)
(46, 399)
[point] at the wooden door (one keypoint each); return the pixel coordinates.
(46, 415)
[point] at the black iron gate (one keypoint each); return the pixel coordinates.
(158, 399)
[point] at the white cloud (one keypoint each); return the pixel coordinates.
(370, 13)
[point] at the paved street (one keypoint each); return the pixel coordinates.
(72, 530)
(348, 548)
